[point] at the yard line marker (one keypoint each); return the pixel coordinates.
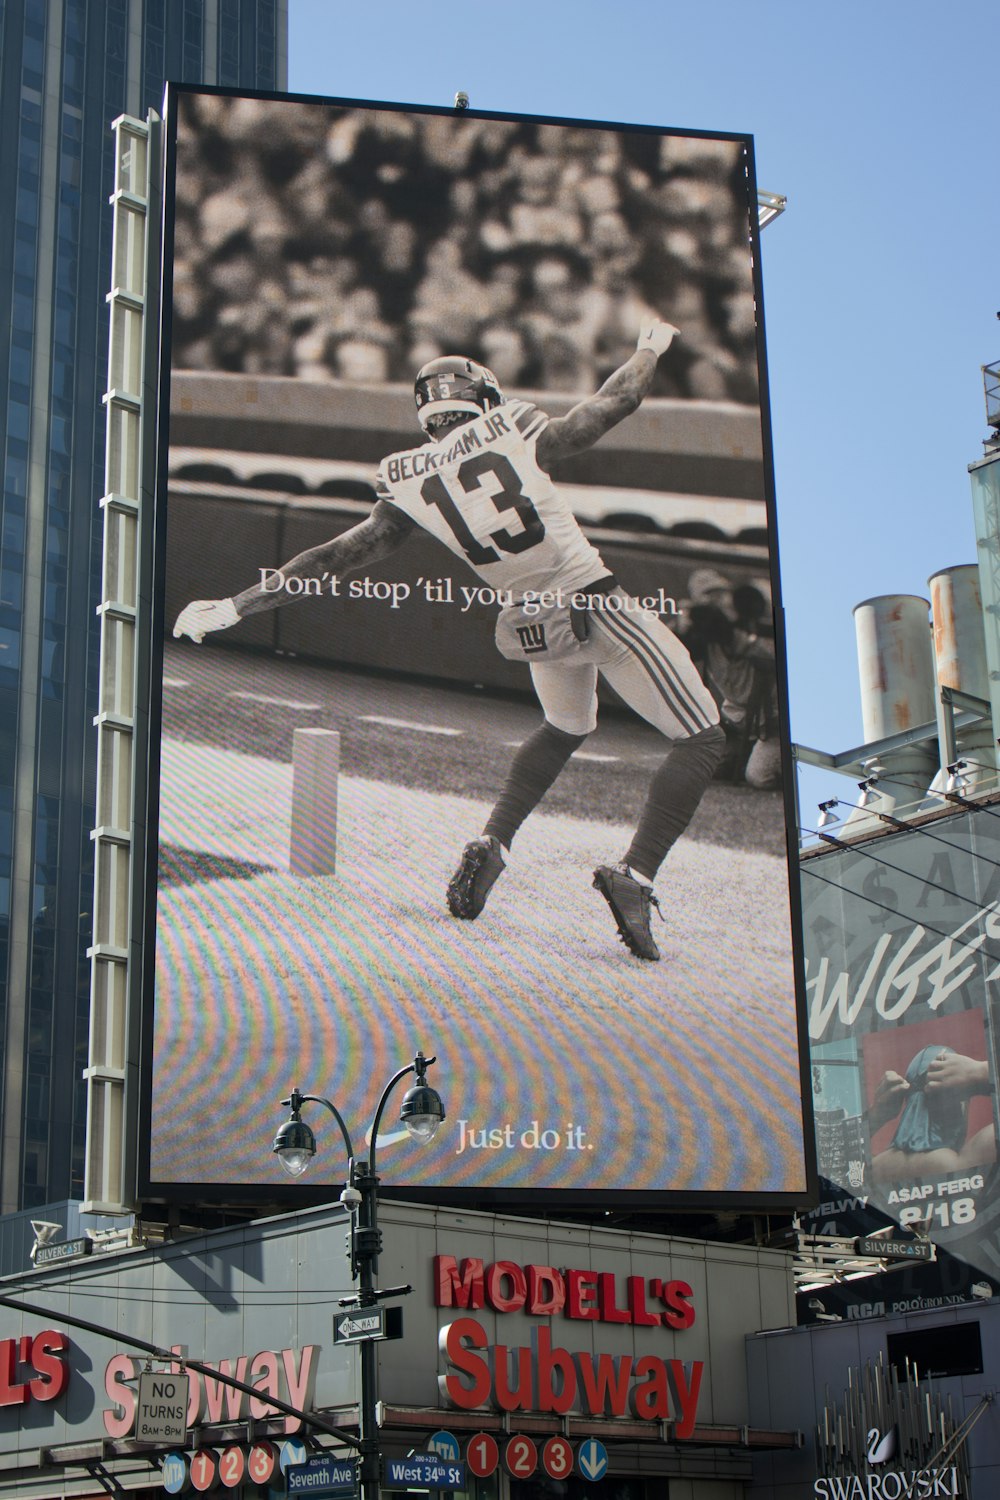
(408, 724)
(276, 702)
(578, 755)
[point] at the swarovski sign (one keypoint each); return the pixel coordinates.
(893, 1484)
(912, 1454)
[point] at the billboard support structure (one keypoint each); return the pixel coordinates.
(108, 1177)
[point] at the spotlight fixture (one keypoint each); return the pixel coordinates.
(956, 778)
(869, 791)
(827, 814)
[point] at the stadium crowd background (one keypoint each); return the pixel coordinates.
(324, 242)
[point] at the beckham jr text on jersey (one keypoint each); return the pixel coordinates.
(480, 490)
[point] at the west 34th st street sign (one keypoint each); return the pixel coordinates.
(424, 1471)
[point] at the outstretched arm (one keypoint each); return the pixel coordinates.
(620, 395)
(383, 531)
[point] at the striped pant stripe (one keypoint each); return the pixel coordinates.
(660, 669)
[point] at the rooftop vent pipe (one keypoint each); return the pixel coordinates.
(960, 658)
(896, 672)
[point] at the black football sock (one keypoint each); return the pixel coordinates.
(673, 797)
(535, 766)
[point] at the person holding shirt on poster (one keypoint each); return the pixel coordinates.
(932, 1105)
(481, 485)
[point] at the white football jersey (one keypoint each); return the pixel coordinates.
(480, 490)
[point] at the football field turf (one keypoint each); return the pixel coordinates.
(606, 1071)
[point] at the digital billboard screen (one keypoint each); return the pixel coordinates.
(902, 948)
(468, 697)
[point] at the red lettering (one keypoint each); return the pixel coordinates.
(119, 1370)
(454, 1288)
(552, 1365)
(581, 1295)
(677, 1296)
(457, 1342)
(650, 1400)
(513, 1391)
(610, 1311)
(52, 1372)
(216, 1392)
(604, 1382)
(546, 1291)
(685, 1385)
(496, 1275)
(11, 1393)
(637, 1304)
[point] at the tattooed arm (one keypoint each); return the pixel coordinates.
(620, 395)
(383, 531)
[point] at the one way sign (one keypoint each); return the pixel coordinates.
(361, 1323)
(367, 1323)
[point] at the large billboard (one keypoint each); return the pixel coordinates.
(467, 689)
(902, 944)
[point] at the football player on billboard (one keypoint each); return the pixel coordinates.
(481, 485)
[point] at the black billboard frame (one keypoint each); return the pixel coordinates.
(149, 1189)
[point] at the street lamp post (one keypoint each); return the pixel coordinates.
(295, 1145)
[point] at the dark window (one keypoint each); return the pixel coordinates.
(952, 1349)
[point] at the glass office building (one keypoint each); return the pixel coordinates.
(67, 69)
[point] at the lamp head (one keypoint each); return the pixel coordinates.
(956, 776)
(827, 814)
(294, 1144)
(421, 1110)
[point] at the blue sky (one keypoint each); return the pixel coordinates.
(878, 120)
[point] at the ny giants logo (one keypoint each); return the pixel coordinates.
(532, 638)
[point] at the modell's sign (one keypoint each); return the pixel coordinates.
(33, 1368)
(544, 1376)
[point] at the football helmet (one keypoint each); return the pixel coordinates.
(453, 388)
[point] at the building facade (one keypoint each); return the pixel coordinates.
(553, 1360)
(547, 1361)
(67, 69)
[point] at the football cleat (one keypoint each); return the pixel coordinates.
(454, 388)
(630, 902)
(482, 865)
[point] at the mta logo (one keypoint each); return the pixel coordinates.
(532, 638)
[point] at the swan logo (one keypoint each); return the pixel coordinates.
(881, 1446)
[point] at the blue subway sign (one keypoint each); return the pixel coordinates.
(323, 1474)
(424, 1471)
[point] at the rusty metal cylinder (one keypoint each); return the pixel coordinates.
(960, 655)
(959, 638)
(895, 664)
(898, 692)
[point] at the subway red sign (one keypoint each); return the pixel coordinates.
(542, 1376)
